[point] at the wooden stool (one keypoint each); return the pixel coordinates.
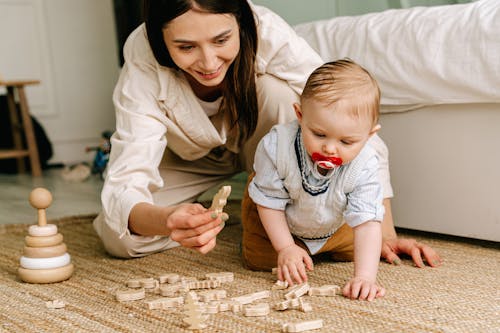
(26, 126)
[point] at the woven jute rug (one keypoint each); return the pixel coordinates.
(461, 296)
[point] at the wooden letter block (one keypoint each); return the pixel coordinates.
(169, 278)
(170, 289)
(280, 285)
(292, 303)
(194, 313)
(212, 295)
(256, 310)
(297, 291)
(165, 303)
(202, 284)
(130, 295)
(249, 298)
(220, 199)
(221, 277)
(55, 304)
(325, 290)
(302, 326)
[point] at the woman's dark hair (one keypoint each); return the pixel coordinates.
(239, 93)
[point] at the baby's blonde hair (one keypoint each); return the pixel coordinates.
(346, 86)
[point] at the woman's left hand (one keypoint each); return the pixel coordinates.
(418, 252)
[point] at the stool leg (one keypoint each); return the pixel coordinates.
(36, 169)
(16, 128)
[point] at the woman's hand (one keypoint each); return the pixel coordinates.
(418, 252)
(195, 227)
(392, 245)
(292, 264)
(362, 289)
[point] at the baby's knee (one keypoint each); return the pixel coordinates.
(345, 256)
(255, 261)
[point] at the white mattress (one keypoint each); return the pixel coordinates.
(444, 163)
(421, 55)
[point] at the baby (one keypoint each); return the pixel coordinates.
(316, 185)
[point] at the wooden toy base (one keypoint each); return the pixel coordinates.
(46, 275)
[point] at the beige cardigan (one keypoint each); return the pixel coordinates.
(155, 106)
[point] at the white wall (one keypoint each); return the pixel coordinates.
(70, 46)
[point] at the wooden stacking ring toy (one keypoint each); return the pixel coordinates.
(45, 258)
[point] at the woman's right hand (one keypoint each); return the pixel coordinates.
(193, 226)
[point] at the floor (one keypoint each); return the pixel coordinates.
(69, 198)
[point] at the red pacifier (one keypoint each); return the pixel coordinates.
(326, 162)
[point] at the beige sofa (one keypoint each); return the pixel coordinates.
(439, 72)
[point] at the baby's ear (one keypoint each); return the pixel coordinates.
(375, 129)
(298, 111)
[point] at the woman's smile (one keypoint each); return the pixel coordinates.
(210, 75)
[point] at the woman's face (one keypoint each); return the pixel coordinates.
(203, 45)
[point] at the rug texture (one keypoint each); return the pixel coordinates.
(461, 296)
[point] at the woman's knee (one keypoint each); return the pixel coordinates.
(129, 245)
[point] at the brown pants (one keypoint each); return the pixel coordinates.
(258, 252)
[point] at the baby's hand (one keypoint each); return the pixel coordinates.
(292, 264)
(363, 289)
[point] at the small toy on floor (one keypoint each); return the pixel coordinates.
(302, 326)
(44, 259)
(194, 312)
(102, 154)
(55, 304)
(76, 173)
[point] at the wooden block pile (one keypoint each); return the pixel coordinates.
(199, 298)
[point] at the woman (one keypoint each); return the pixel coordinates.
(202, 82)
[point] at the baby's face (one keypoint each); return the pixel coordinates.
(332, 133)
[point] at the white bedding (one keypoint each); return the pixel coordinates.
(421, 55)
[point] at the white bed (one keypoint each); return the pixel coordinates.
(439, 72)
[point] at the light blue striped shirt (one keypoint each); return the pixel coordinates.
(315, 206)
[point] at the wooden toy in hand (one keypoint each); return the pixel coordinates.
(219, 201)
(44, 259)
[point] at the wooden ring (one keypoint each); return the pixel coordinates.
(45, 263)
(43, 241)
(46, 275)
(45, 252)
(45, 230)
